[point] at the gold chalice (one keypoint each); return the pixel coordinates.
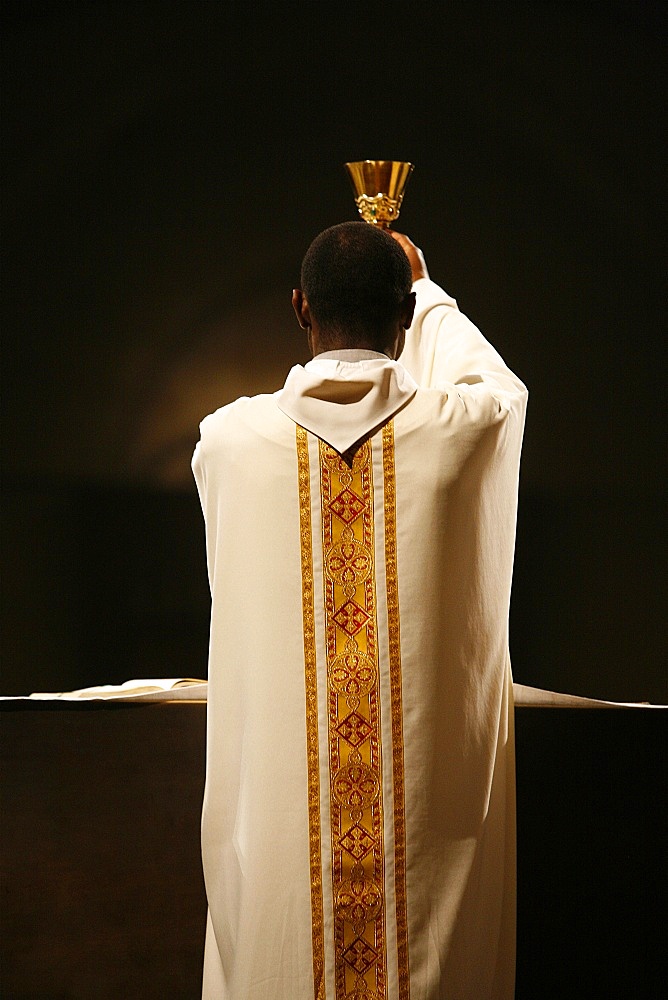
(379, 187)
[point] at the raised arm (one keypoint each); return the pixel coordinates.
(442, 345)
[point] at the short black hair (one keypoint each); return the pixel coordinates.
(355, 278)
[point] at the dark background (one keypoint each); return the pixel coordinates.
(166, 166)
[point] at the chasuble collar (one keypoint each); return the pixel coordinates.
(341, 399)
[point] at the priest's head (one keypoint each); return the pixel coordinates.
(355, 291)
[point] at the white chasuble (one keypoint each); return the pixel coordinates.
(358, 829)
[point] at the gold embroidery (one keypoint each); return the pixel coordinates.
(311, 682)
(397, 710)
(353, 701)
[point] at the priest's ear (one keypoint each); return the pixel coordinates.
(407, 310)
(301, 308)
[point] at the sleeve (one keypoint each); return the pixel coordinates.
(443, 347)
(199, 466)
(199, 474)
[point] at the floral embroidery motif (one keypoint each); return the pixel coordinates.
(362, 994)
(359, 900)
(352, 674)
(348, 563)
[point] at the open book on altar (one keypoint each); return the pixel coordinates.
(140, 689)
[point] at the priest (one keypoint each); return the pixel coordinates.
(358, 828)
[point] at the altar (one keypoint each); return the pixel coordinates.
(102, 884)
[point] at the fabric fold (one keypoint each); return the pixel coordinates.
(343, 401)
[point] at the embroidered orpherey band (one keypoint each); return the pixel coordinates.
(345, 686)
(397, 709)
(353, 700)
(311, 681)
